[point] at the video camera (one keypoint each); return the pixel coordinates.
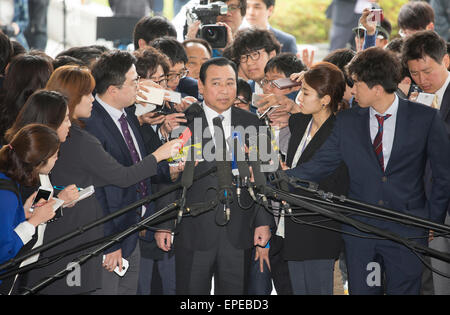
(207, 13)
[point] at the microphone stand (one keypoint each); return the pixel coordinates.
(117, 238)
(296, 200)
(79, 231)
(381, 213)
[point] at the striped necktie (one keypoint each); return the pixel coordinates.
(378, 142)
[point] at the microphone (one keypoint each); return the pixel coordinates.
(187, 178)
(224, 174)
(198, 208)
(260, 179)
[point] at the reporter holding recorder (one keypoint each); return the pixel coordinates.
(32, 151)
(84, 161)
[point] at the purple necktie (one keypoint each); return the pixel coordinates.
(133, 151)
(378, 142)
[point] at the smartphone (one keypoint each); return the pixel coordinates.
(125, 265)
(267, 111)
(43, 193)
(286, 83)
(376, 16)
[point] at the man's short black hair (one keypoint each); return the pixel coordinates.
(111, 69)
(171, 48)
(424, 43)
(415, 15)
(286, 63)
(151, 27)
(395, 45)
(251, 39)
(220, 62)
(376, 66)
(244, 89)
(341, 58)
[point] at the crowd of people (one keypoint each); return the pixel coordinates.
(371, 121)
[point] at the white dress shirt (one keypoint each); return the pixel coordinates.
(388, 129)
(115, 115)
(226, 122)
(440, 93)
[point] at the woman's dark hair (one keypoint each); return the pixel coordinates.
(6, 51)
(27, 152)
(286, 63)
(87, 54)
(341, 58)
(148, 60)
(327, 79)
(376, 66)
(26, 74)
(18, 49)
(111, 69)
(42, 107)
(73, 82)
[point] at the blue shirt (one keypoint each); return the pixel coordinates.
(11, 215)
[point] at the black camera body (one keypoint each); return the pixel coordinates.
(207, 14)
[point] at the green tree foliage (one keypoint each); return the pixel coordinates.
(306, 20)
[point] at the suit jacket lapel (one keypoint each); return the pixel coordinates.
(113, 130)
(366, 139)
(296, 136)
(318, 139)
(401, 125)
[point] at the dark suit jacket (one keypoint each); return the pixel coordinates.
(287, 41)
(445, 109)
(113, 198)
(419, 134)
(318, 243)
(202, 232)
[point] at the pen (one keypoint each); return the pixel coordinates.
(63, 187)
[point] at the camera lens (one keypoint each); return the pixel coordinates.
(211, 34)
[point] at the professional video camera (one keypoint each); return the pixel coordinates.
(207, 13)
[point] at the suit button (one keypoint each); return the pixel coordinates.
(384, 179)
(381, 203)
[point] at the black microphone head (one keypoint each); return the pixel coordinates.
(260, 178)
(187, 178)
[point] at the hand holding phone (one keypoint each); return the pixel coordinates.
(286, 83)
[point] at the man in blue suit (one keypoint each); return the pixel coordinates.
(385, 144)
(116, 86)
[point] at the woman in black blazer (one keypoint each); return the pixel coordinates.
(311, 251)
(83, 161)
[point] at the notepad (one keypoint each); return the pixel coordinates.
(84, 193)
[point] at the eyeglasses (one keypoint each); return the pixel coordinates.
(134, 82)
(180, 75)
(161, 82)
(254, 55)
(240, 99)
(265, 82)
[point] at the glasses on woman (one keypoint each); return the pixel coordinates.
(254, 55)
(162, 81)
(180, 75)
(233, 8)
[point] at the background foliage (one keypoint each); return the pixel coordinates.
(305, 19)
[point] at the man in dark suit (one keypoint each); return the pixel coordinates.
(425, 54)
(210, 244)
(116, 86)
(385, 144)
(258, 14)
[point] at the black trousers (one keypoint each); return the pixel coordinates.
(229, 267)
